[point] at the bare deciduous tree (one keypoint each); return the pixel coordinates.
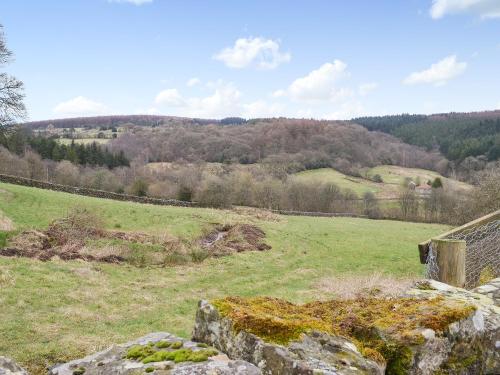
(11, 90)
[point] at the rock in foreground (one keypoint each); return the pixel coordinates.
(160, 354)
(436, 329)
(9, 367)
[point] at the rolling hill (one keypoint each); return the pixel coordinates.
(393, 178)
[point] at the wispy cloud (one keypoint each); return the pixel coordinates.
(439, 73)
(135, 2)
(258, 52)
(483, 8)
(80, 106)
(193, 82)
(366, 88)
(319, 84)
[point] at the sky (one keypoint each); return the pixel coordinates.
(331, 59)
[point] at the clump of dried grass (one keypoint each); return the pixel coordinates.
(354, 286)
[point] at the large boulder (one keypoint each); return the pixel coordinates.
(158, 353)
(433, 329)
(9, 367)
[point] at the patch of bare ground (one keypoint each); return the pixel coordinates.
(228, 239)
(376, 284)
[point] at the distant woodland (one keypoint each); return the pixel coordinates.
(458, 136)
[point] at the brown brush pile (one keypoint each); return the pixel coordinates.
(237, 238)
(80, 235)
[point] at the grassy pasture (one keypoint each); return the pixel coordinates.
(53, 311)
(393, 177)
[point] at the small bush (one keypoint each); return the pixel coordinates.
(139, 188)
(175, 258)
(377, 178)
(437, 183)
(198, 254)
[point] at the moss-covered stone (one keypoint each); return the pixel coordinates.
(181, 355)
(383, 329)
(79, 371)
(176, 345)
(148, 353)
(163, 344)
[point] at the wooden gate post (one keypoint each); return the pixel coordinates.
(450, 259)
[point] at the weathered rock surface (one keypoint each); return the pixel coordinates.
(468, 346)
(112, 361)
(9, 367)
(316, 353)
(491, 289)
(471, 346)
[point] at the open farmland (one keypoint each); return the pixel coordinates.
(48, 306)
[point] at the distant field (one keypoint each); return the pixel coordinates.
(392, 174)
(48, 306)
(393, 177)
(329, 175)
(85, 141)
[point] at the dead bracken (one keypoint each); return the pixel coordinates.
(383, 329)
(80, 235)
(237, 238)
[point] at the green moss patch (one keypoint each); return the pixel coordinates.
(150, 353)
(364, 320)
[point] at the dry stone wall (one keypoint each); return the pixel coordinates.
(92, 192)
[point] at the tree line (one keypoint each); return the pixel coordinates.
(455, 135)
(18, 140)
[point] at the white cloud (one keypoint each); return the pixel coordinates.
(320, 83)
(193, 82)
(438, 73)
(483, 8)
(80, 106)
(347, 111)
(259, 52)
(223, 102)
(365, 88)
(135, 2)
(279, 94)
(262, 109)
(169, 97)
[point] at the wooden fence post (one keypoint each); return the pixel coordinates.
(450, 259)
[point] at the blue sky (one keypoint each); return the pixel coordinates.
(212, 59)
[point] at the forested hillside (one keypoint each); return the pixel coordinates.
(456, 135)
(294, 144)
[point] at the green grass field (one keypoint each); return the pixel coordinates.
(393, 178)
(329, 175)
(53, 311)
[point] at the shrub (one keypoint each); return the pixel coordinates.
(214, 193)
(437, 183)
(139, 188)
(377, 178)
